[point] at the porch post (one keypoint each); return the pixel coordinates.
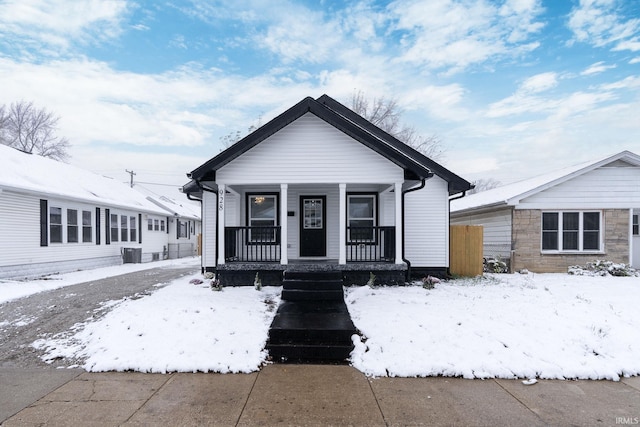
(284, 229)
(221, 218)
(342, 235)
(399, 231)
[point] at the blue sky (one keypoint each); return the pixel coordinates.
(512, 88)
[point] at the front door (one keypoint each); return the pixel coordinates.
(313, 232)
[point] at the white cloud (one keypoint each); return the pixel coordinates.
(453, 35)
(58, 24)
(539, 83)
(596, 22)
(597, 68)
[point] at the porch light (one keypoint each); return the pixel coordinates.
(258, 200)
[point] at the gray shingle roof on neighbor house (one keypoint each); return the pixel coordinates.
(511, 194)
(415, 164)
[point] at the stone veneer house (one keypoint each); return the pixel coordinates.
(569, 217)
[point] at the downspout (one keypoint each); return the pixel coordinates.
(420, 187)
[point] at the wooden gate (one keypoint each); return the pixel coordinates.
(465, 250)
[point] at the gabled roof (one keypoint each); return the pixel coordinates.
(345, 120)
(511, 194)
(174, 207)
(33, 174)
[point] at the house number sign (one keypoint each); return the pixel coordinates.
(220, 200)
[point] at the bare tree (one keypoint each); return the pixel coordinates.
(484, 184)
(33, 130)
(386, 114)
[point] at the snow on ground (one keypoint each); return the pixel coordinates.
(14, 289)
(182, 327)
(505, 326)
(499, 326)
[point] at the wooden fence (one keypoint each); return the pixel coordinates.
(465, 250)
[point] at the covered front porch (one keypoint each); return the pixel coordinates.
(270, 229)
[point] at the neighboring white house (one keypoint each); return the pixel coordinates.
(55, 217)
(568, 217)
(321, 187)
(183, 223)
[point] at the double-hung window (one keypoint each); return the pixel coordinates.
(133, 228)
(262, 217)
(361, 211)
(635, 225)
(87, 227)
(571, 231)
(72, 226)
(55, 224)
(124, 228)
(113, 226)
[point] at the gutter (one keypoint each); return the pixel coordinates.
(409, 190)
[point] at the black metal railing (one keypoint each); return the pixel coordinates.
(371, 244)
(252, 244)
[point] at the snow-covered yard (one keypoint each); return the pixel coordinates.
(535, 325)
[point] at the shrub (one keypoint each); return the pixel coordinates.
(603, 268)
(495, 265)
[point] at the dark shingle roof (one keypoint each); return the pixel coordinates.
(342, 118)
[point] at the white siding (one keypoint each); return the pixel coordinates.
(209, 213)
(496, 230)
(605, 187)
(427, 225)
(20, 250)
(309, 150)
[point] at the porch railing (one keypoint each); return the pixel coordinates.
(252, 244)
(371, 244)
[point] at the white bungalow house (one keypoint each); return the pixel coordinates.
(319, 187)
(569, 217)
(56, 218)
(184, 224)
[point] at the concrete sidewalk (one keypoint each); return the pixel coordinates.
(307, 395)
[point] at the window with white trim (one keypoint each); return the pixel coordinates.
(55, 224)
(361, 217)
(262, 211)
(150, 224)
(133, 228)
(113, 226)
(87, 227)
(124, 228)
(635, 225)
(72, 226)
(571, 231)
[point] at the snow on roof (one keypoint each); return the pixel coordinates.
(186, 209)
(25, 172)
(511, 194)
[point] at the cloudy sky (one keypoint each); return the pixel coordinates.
(512, 88)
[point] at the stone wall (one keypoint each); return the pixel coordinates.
(527, 240)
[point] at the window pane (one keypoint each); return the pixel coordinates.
(636, 226)
(162, 225)
(591, 241)
(570, 240)
(263, 207)
(591, 221)
(571, 221)
(156, 224)
(550, 240)
(55, 225)
(361, 230)
(150, 224)
(361, 207)
(550, 221)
